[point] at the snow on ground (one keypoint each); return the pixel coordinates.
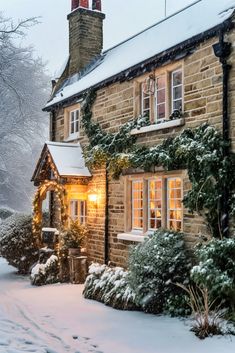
(57, 319)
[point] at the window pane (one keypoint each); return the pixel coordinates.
(161, 112)
(161, 82)
(177, 78)
(77, 126)
(177, 105)
(154, 204)
(177, 92)
(161, 96)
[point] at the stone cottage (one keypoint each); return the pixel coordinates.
(180, 73)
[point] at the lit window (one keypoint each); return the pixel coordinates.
(145, 102)
(137, 205)
(74, 122)
(160, 98)
(155, 204)
(174, 203)
(78, 211)
(177, 88)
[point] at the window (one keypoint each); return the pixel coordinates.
(177, 88)
(160, 98)
(78, 211)
(156, 202)
(163, 97)
(74, 123)
(145, 102)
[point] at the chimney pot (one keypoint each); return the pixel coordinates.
(96, 5)
(84, 3)
(79, 3)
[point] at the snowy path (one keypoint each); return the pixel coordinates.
(56, 319)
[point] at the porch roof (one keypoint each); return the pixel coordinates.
(67, 158)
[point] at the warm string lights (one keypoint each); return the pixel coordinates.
(40, 195)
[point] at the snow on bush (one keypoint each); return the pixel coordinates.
(155, 267)
(47, 273)
(216, 269)
(109, 285)
(16, 242)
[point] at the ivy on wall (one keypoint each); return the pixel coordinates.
(199, 151)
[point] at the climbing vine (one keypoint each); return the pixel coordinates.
(198, 150)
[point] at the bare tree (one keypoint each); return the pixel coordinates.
(23, 92)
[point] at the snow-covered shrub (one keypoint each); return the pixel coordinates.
(216, 269)
(47, 273)
(155, 267)
(16, 242)
(109, 285)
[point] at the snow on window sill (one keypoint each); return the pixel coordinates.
(131, 237)
(160, 126)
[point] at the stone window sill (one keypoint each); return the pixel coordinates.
(131, 237)
(156, 127)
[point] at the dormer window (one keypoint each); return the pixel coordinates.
(74, 123)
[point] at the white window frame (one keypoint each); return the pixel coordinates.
(172, 90)
(165, 205)
(168, 203)
(149, 200)
(136, 229)
(77, 114)
(82, 218)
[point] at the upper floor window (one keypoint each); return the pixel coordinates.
(162, 95)
(74, 123)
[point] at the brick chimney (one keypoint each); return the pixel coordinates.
(85, 33)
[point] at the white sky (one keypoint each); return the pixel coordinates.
(50, 37)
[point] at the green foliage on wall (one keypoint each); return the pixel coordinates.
(199, 151)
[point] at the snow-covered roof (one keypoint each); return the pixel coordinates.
(68, 159)
(200, 17)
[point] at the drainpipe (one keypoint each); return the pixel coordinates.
(106, 224)
(222, 50)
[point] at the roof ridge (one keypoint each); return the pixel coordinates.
(153, 25)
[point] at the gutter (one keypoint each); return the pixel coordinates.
(106, 223)
(175, 53)
(222, 50)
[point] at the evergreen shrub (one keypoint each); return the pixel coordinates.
(216, 269)
(47, 273)
(109, 286)
(155, 267)
(16, 242)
